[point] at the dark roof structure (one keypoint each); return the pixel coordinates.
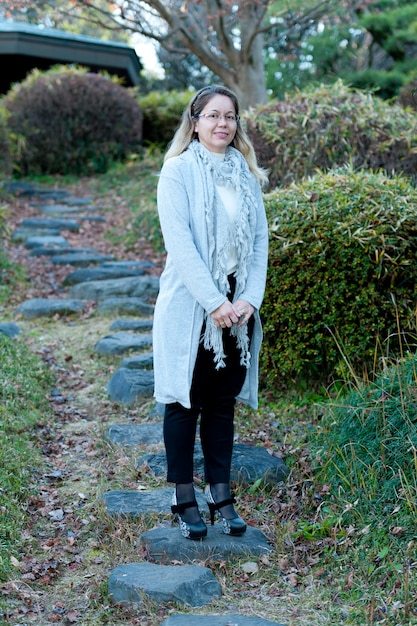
(24, 47)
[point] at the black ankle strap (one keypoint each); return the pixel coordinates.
(219, 505)
(180, 508)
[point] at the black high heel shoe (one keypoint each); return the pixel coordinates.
(198, 530)
(234, 526)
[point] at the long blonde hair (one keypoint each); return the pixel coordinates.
(186, 133)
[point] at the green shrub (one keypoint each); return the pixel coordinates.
(69, 121)
(5, 163)
(162, 113)
(367, 445)
(408, 96)
(328, 127)
(342, 277)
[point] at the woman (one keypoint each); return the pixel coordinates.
(207, 330)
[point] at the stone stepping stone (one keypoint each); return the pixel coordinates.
(81, 260)
(135, 434)
(191, 585)
(62, 209)
(138, 362)
(132, 287)
(249, 464)
(126, 385)
(132, 324)
(129, 264)
(48, 251)
(48, 223)
(45, 240)
(38, 307)
(125, 306)
(10, 329)
(101, 273)
(122, 342)
(132, 504)
(158, 411)
(22, 188)
(165, 543)
(76, 200)
(23, 234)
(226, 619)
(91, 218)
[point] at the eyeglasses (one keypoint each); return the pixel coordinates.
(230, 118)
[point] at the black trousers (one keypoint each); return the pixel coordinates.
(213, 399)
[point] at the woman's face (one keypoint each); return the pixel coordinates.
(217, 134)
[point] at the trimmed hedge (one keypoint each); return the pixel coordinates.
(162, 113)
(332, 126)
(69, 121)
(342, 276)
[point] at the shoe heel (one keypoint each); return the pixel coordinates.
(235, 526)
(197, 530)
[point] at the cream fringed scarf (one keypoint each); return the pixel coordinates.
(233, 171)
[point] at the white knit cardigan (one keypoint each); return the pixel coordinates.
(187, 290)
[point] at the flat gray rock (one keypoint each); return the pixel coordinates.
(135, 434)
(60, 209)
(49, 222)
(125, 306)
(138, 362)
(23, 234)
(133, 287)
(91, 217)
(26, 189)
(38, 307)
(46, 240)
(132, 324)
(192, 585)
(132, 504)
(126, 385)
(227, 619)
(157, 411)
(10, 329)
(80, 260)
(78, 201)
(54, 251)
(249, 464)
(120, 343)
(165, 543)
(100, 273)
(129, 264)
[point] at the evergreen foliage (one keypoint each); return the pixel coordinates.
(342, 277)
(162, 113)
(69, 121)
(5, 163)
(327, 127)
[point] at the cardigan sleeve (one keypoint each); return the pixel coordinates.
(174, 215)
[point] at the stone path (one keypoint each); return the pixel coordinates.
(125, 288)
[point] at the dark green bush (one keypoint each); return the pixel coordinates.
(69, 121)
(5, 163)
(161, 115)
(342, 278)
(332, 126)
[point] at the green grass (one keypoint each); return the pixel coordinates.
(23, 409)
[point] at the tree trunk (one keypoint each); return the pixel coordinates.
(248, 80)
